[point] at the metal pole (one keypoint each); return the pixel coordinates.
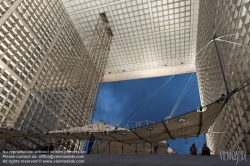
(221, 67)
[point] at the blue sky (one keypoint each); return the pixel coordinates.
(117, 100)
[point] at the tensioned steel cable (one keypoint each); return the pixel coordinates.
(205, 46)
(233, 42)
(228, 42)
(219, 39)
(164, 84)
(222, 123)
(137, 102)
(157, 91)
(144, 99)
(241, 86)
(182, 95)
(229, 35)
(97, 118)
(99, 115)
(185, 89)
(235, 89)
(149, 97)
(224, 114)
(197, 53)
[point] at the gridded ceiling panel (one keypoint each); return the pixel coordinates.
(147, 33)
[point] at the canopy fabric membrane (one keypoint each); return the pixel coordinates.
(191, 124)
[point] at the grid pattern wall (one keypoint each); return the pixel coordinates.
(230, 20)
(147, 33)
(48, 79)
